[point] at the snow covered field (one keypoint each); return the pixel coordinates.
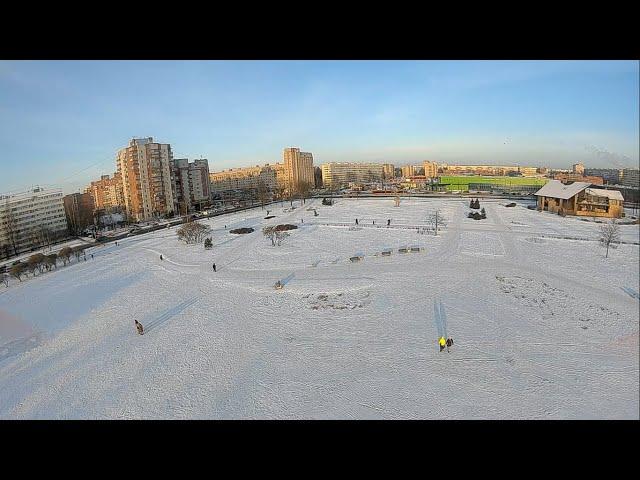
(544, 327)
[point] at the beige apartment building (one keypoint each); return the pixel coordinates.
(338, 174)
(298, 166)
(388, 170)
(191, 184)
(145, 167)
(578, 168)
(248, 178)
(492, 170)
(410, 170)
(430, 169)
(107, 192)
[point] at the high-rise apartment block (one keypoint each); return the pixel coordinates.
(30, 219)
(430, 169)
(578, 168)
(107, 192)
(388, 170)
(191, 184)
(298, 166)
(145, 167)
(336, 175)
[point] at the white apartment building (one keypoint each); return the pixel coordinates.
(337, 174)
(145, 167)
(191, 185)
(28, 218)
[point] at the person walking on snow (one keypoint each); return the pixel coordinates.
(442, 343)
(356, 221)
(161, 257)
(388, 222)
(139, 327)
(449, 343)
(214, 267)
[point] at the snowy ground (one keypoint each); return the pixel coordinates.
(544, 327)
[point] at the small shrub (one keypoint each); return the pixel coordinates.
(284, 227)
(208, 244)
(241, 231)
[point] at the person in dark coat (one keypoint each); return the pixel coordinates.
(356, 221)
(161, 257)
(449, 343)
(214, 267)
(139, 327)
(388, 222)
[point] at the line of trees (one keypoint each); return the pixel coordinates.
(41, 263)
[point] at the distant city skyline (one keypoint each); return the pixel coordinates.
(62, 122)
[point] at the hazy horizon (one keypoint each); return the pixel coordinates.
(63, 121)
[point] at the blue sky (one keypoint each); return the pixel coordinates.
(61, 122)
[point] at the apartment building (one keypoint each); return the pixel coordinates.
(492, 170)
(576, 177)
(630, 177)
(388, 170)
(78, 209)
(298, 166)
(248, 178)
(145, 167)
(578, 168)
(191, 184)
(609, 175)
(338, 174)
(107, 193)
(430, 169)
(31, 219)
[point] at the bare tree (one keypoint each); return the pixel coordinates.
(36, 262)
(17, 270)
(281, 236)
(609, 234)
(302, 189)
(193, 232)
(10, 226)
(263, 193)
(50, 261)
(270, 233)
(436, 221)
(64, 255)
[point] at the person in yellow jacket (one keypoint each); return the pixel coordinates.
(442, 342)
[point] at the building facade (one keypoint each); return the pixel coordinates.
(630, 177)
(492, 170)
(338, 174)
(107, 193)
(609, 175)
(579, 199)
(575, 177)
(430, 169)
(31, 219)
(191, 184)
(388, 170)
(248, 178)
(298, 166)
(78, 209)
(578, 168)
(145, 167)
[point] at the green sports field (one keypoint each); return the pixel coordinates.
(462, 182)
